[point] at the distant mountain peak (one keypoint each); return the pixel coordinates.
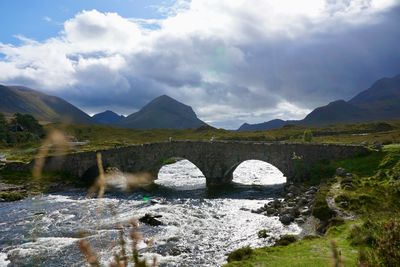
(161, 113)
(108, 117)
(164, 99)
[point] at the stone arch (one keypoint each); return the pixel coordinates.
(228, 176)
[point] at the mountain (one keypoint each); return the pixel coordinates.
(338, 111)
(379, 102)
(18, 99)
(269, 125)
(163, 112)
(382, 98)
(108, 117)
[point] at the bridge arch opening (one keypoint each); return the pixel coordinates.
(181, 174)
(257, 172)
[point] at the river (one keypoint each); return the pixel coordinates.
(200, 226)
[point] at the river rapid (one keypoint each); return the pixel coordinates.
(200, 225)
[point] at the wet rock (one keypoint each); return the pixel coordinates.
(263, 234)
(276, 203)
(272, 211)
(173, 239)
(314, 188)
(151, 219)
(341, 172)
(302, 201)
(175, 251)
(287, 210)
(286, 219)
(289, 195)
(258, 211)
(310, 192)
(305, 211)
(344, 204)
(299, 220)
(293, 189)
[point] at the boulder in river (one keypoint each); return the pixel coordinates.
(286, 219)
(151, 219)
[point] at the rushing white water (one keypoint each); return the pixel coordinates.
(200, 226)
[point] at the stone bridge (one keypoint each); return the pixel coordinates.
(217, 160)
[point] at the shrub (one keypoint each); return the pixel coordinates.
(29, 123)
(307, 136)
(388, 244)
(240, 254)
(3, 128)
(286, 240)
(385, 251)
(342, 198)
(363, 235)
(321, 209)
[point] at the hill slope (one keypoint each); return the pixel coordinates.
(382, 98)
(108, 117)
(18, 99)
(163, 112)
(336, 112)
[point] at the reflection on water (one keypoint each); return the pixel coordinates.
(201, 226)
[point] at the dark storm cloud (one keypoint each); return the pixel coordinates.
(311, 71)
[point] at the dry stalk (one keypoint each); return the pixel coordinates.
(336, 255)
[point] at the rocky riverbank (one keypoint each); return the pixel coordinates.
(295, 207)
(299, 201)
(11, 192)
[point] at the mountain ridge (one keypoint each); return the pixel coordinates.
(163, 112)
(107, 117)
(381, 101)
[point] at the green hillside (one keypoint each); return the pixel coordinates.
(17, 99)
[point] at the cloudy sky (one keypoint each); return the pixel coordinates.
(233, 61)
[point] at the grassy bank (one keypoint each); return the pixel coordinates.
(312, 251)
(372, 238)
